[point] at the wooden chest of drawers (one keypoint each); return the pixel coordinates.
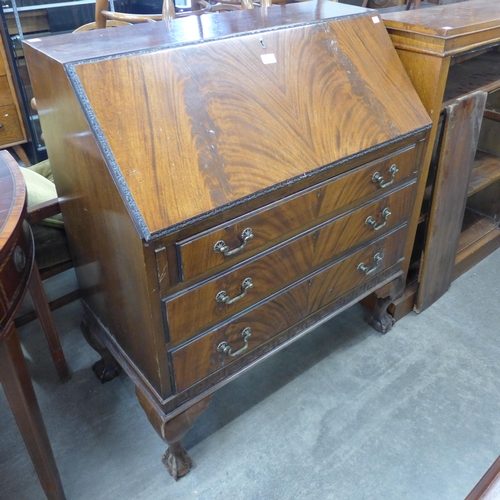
(228, 183)
(11, 125)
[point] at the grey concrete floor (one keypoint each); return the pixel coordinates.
(344, 413)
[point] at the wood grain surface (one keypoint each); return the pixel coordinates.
(12, 196)
(215, 140)
(488, 487)
(163, 142)
(200, 357)
(447, 20)
(16, 261)
(285, 217)
(283, 265)
(188, 30)
(461, 133)
(16, 255)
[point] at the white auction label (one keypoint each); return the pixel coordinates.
(268, 58)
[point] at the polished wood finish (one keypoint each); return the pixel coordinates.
(176, 459)
(319, 203)
(488, 488)
(285, 264)
(289, 307)
(42, 211)
(12, 131)
(236, 115)
(446, 30)
(16, 261)
(200, 150)
(449, 51)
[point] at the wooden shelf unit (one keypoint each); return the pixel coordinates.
(486, 171)
(452, 55)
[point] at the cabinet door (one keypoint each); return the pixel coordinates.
(461, 132)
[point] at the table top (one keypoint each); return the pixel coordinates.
(447, 20)
(446, 30)
(12, 198)
(14, 251)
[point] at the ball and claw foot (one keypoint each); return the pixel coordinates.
(177, 461)
(106, 368)
(381, 320)
(106, 372)
(384, 323)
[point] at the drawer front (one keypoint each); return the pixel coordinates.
(202, 356)
(10, 128)
(198, 254)
(5, 93)
(283, 265)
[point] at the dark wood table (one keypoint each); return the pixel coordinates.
(488, 487)
(16, 264)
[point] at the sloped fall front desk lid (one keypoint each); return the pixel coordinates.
(210, 110)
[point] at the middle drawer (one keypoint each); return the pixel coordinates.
(190, 312)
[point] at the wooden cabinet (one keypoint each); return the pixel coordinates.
(228, 183)
(451, 54)
(12, 130)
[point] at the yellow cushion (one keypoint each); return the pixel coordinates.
(43, 168)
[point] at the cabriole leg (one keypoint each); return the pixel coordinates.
(381, 320)
(176, 459)
(106, 368)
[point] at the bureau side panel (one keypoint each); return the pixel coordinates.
(107, 251)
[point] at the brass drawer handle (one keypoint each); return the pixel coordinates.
(221, 247)
(226, 348)
(370, 221)
(223, 297)
(377, 259)
(378, 177)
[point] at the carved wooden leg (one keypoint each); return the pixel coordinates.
(381, 320)
(106, 368)
(176, 459)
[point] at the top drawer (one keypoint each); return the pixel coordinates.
(237, 240)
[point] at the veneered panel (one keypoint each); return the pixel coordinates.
(222, 125)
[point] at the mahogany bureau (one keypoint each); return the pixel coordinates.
(228, 183)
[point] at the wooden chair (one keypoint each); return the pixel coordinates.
(104, 18)
(36, 214)
(52, 256)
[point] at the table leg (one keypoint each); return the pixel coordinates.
(16, 381)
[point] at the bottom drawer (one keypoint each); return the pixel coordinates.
(204, 355)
